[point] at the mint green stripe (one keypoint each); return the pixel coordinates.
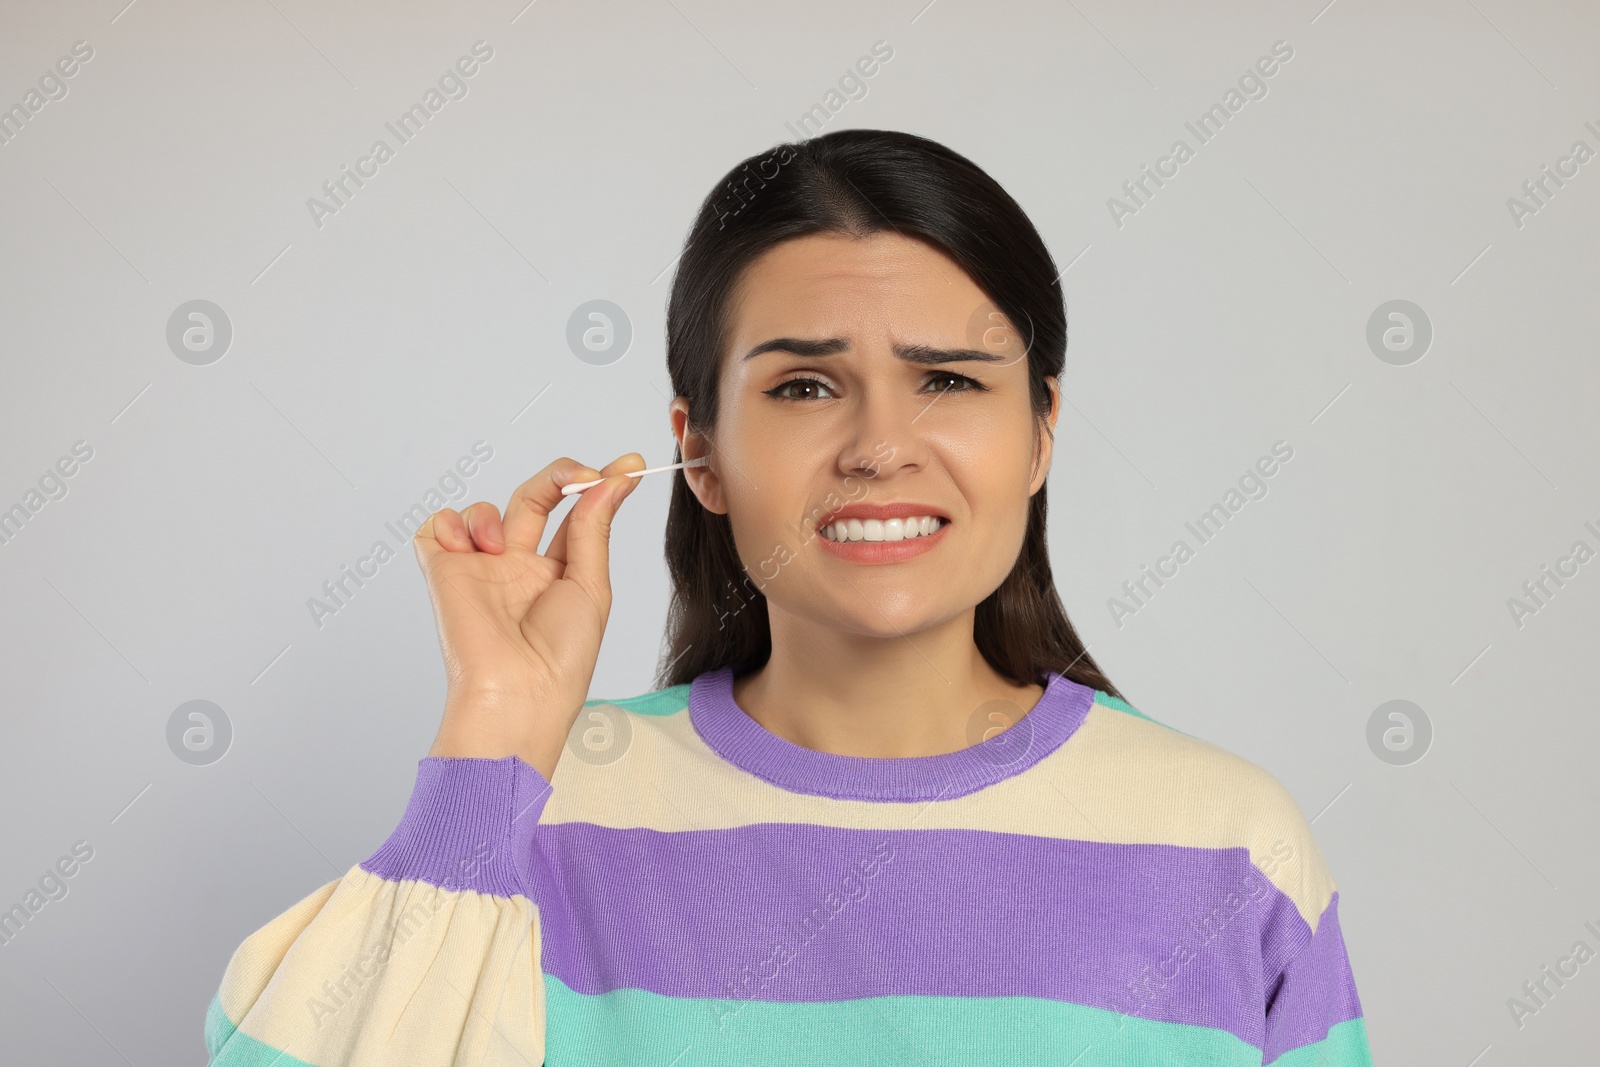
(1102, 697)
(661, 702)
(631, 1026)
(1107, 700)
(218, 1026)
(236, 1049)
(1345, 1046)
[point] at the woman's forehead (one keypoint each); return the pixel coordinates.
(859, 288)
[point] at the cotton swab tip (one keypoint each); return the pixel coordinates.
(578, 487)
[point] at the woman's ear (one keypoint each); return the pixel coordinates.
(1046, 438)
(704, 482)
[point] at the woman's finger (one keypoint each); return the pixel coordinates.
(558, 544)
(535, 498)
(441, 532)
(589, 539)
(482, 520)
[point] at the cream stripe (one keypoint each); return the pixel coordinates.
(431, 977)
(1119, 779)
(258, 955)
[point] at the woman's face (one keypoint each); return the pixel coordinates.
(870, 390)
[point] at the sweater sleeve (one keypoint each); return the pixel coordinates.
(426, 953)
(1313, 1015)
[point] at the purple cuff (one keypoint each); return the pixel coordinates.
(468, 826)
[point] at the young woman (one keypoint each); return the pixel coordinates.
(884, 808)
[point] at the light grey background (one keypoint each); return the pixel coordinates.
(1228, 313)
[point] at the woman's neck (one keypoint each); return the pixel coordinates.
(923, 694)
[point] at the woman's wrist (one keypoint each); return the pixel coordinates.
(493, 724)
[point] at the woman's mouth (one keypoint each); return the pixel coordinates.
(882, 533)
(846, 530)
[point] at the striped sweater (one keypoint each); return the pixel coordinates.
(1086, 887)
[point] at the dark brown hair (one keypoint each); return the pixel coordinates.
(856, 183)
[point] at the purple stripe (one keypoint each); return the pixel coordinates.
(1159, 931)
(468, 825)
(745, 743)
(1315, 992)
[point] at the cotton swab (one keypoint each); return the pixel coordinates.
(578, 487)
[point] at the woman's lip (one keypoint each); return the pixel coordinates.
(884, 551)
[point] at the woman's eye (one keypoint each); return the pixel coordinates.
(801, 389)
(789, 389)
(951, 383)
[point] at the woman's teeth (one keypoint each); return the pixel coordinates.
(882, 529)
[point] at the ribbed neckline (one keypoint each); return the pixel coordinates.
(745, 743)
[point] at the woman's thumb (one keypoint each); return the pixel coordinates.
(620, 493)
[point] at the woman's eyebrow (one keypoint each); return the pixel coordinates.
(924, 354)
